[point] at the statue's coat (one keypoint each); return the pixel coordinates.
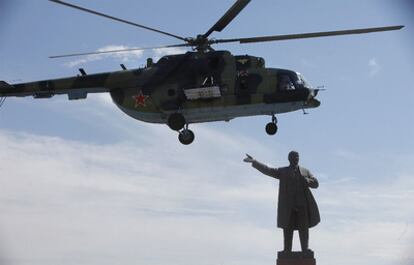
(286, 186)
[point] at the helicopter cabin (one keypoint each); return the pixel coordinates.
(209, 88)
(198, 78)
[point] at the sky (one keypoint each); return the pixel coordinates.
(82, 183)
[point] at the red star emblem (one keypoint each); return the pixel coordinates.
(140, 99)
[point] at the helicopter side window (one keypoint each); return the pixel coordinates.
(285, 83)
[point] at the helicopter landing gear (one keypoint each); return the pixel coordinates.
(271, 127)
(186, 136)
(176, 121)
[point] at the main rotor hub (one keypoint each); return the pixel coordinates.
(200, 43)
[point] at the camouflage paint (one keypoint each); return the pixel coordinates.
(153, 93)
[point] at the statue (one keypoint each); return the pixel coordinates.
(297, 208)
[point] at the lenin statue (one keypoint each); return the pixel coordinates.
(297, 209)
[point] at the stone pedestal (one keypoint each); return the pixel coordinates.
(295, 258)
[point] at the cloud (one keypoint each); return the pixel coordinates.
(74, 202)
(136, 201)
(119, 56)
(370, 223)
(123, 57)
(374, 66)
(158, 53)
(103, 99)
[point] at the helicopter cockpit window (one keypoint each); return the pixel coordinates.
(301, 82)
(285, 83)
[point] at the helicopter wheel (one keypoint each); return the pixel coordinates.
(271, 128)
(186, 137)
(176, 121)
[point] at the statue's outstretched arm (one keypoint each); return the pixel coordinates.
(271, 172)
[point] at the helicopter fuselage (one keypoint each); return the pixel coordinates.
(212, 86)
(187, 88)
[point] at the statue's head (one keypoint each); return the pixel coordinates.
(293, 158)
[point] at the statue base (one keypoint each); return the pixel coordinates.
(295, 258)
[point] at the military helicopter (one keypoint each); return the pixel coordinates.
(202, 85)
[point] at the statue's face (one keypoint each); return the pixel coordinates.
(294, 159)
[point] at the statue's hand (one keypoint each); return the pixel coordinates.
(248, 159)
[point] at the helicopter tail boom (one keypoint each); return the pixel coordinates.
(4, 86)
(74, 87)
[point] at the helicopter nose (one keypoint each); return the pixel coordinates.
(312, 93)
(312, 101)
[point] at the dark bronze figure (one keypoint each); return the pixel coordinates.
(297, 208)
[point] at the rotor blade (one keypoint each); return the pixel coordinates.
(116, 19)
(228, 17)
(117, 51)
(307, 35)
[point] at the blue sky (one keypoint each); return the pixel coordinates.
(83, 183)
